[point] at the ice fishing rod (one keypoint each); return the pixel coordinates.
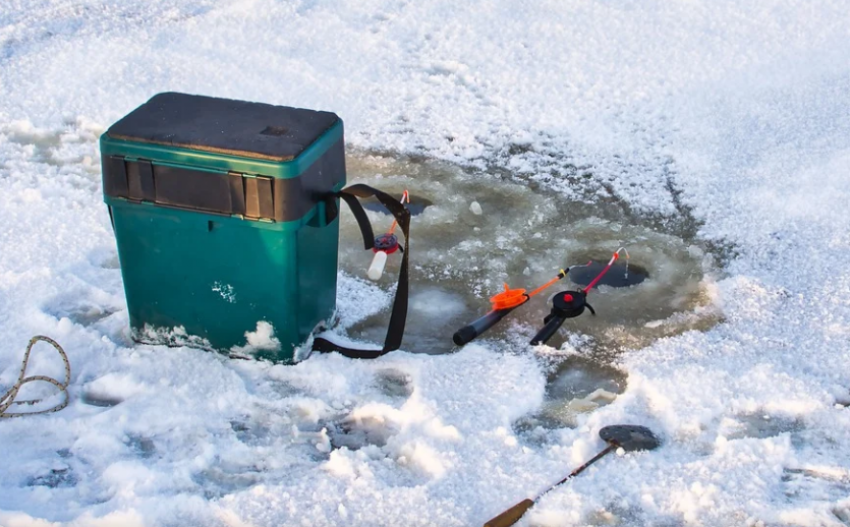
(567, 304)
(570, 304)
(503, 303)
(385, 244)
(627, 437)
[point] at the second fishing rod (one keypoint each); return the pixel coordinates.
(566, 304)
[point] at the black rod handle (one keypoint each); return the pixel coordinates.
(548, 330)
(466, 334)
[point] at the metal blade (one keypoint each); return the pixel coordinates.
(630, 437)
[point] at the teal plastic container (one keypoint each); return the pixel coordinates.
(219, 210)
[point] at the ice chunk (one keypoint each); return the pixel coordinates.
(582, 405)
(261, 339)
(601, 395)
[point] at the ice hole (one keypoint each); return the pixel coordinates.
(620, 274)
(524, 237)
(416, 205)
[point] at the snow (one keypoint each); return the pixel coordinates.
(732, 115)
(262, 339)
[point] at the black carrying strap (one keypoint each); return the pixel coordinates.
(395, 331)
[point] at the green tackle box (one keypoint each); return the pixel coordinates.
(219, 212)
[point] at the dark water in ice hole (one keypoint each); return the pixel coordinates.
(523, 237)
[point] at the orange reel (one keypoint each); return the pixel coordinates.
(508, 298)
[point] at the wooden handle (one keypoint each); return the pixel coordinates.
(510, 516)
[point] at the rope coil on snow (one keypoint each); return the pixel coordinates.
(8, 398)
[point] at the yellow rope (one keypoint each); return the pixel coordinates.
(8, 398)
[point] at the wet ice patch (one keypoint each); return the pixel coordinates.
(436, 305)
(576, 386)
(578, 377)
(525, 237)
(432, 313)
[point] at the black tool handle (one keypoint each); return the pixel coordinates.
(466, 334)
(552, 325)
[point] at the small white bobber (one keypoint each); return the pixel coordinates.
(475, 207)
(379, 261)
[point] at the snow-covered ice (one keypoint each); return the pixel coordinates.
(723, 121)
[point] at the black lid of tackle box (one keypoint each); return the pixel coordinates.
(224, 126)
(258, 174)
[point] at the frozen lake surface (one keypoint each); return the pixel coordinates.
(709, 138)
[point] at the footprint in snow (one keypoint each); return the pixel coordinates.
(141, 446)
(762, 426)
(394, 383)
(60, 476)
(356, 433)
